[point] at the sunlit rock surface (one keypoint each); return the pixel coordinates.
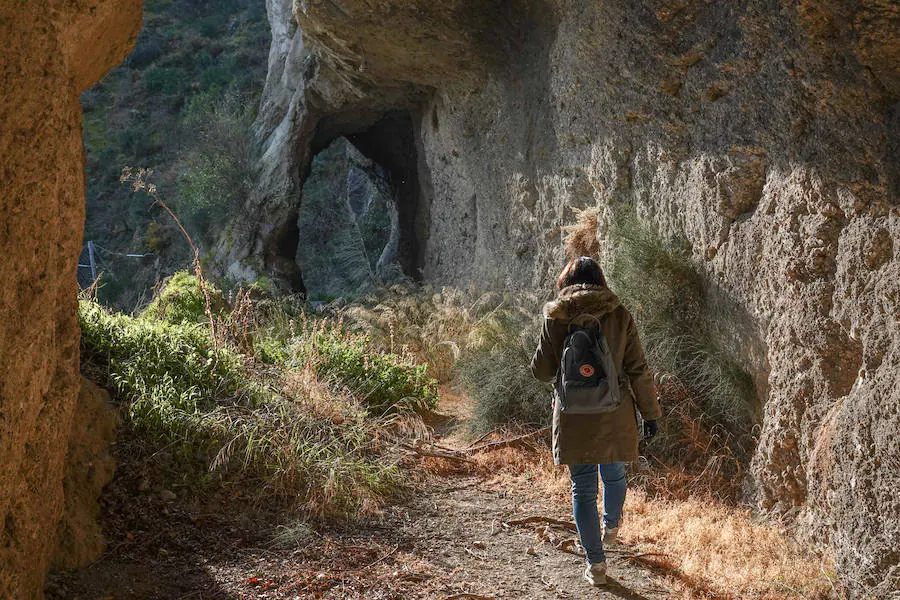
(50, 52)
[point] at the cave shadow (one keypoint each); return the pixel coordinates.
(389, 140)
(620, 591)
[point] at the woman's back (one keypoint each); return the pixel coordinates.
(599, 438)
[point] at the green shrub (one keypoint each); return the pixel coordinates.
(109, 288)
(659, 284)
(494, 370)
(218, 172)
(147, 49)
(204, 59)
(210, 25)
(170, 373)
(181, 301)
(383, 382)
(218, 74)
(167, 80)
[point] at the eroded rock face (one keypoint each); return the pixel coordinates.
(50, 52)
(89, 466)
(766, 135)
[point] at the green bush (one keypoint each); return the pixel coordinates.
(181, 301)
(218, 74)
(137, 142)
(167, 80)
(383, 382)
(212, 24)
(204, 59)
(169, 373)
(495, 372)
(147, 49)
(659, 284)
(218, 172)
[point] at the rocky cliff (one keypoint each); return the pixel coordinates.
(764, 133)
(51, 51)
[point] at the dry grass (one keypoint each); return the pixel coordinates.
(700, 547)
(581, 236)
(434, 326)
(711, 550)
(530, 463)
(693, 453)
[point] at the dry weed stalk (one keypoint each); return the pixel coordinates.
(240, 323)
(90, 292)
(139, 180)
(581, 236)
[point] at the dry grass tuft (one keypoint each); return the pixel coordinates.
(712, 550)
(531, 462)
(693, 453)
(581, 236)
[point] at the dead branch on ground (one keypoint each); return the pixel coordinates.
(422, 452)
(507, 442)
(540, 519)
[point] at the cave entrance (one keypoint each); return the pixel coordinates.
(356, 224)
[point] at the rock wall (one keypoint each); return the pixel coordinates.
(765, 133)
(51, 51)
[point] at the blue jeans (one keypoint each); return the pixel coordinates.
(584, 503)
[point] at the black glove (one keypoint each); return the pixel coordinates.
(650, 429)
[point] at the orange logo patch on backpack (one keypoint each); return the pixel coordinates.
(586, 370)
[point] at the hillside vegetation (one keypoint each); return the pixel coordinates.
(290, 406)
(181, 104)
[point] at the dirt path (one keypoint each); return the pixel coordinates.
(446, 540)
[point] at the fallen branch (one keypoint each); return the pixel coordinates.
(467, 595)
(444, 448)
(492, 431)
(421, 452)
(507, 442)
(539, 519)
(368, 566)
(568, 546)
(375, 562)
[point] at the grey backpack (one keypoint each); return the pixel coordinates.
(588, 379)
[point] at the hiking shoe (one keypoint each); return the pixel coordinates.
(610, 536)
(595, 574)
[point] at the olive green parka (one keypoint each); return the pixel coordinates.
(608, 437)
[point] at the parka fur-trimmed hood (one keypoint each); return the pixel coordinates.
(579, 299)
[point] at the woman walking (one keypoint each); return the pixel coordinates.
(600, 441)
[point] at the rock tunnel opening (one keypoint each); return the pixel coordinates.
(357, 219)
